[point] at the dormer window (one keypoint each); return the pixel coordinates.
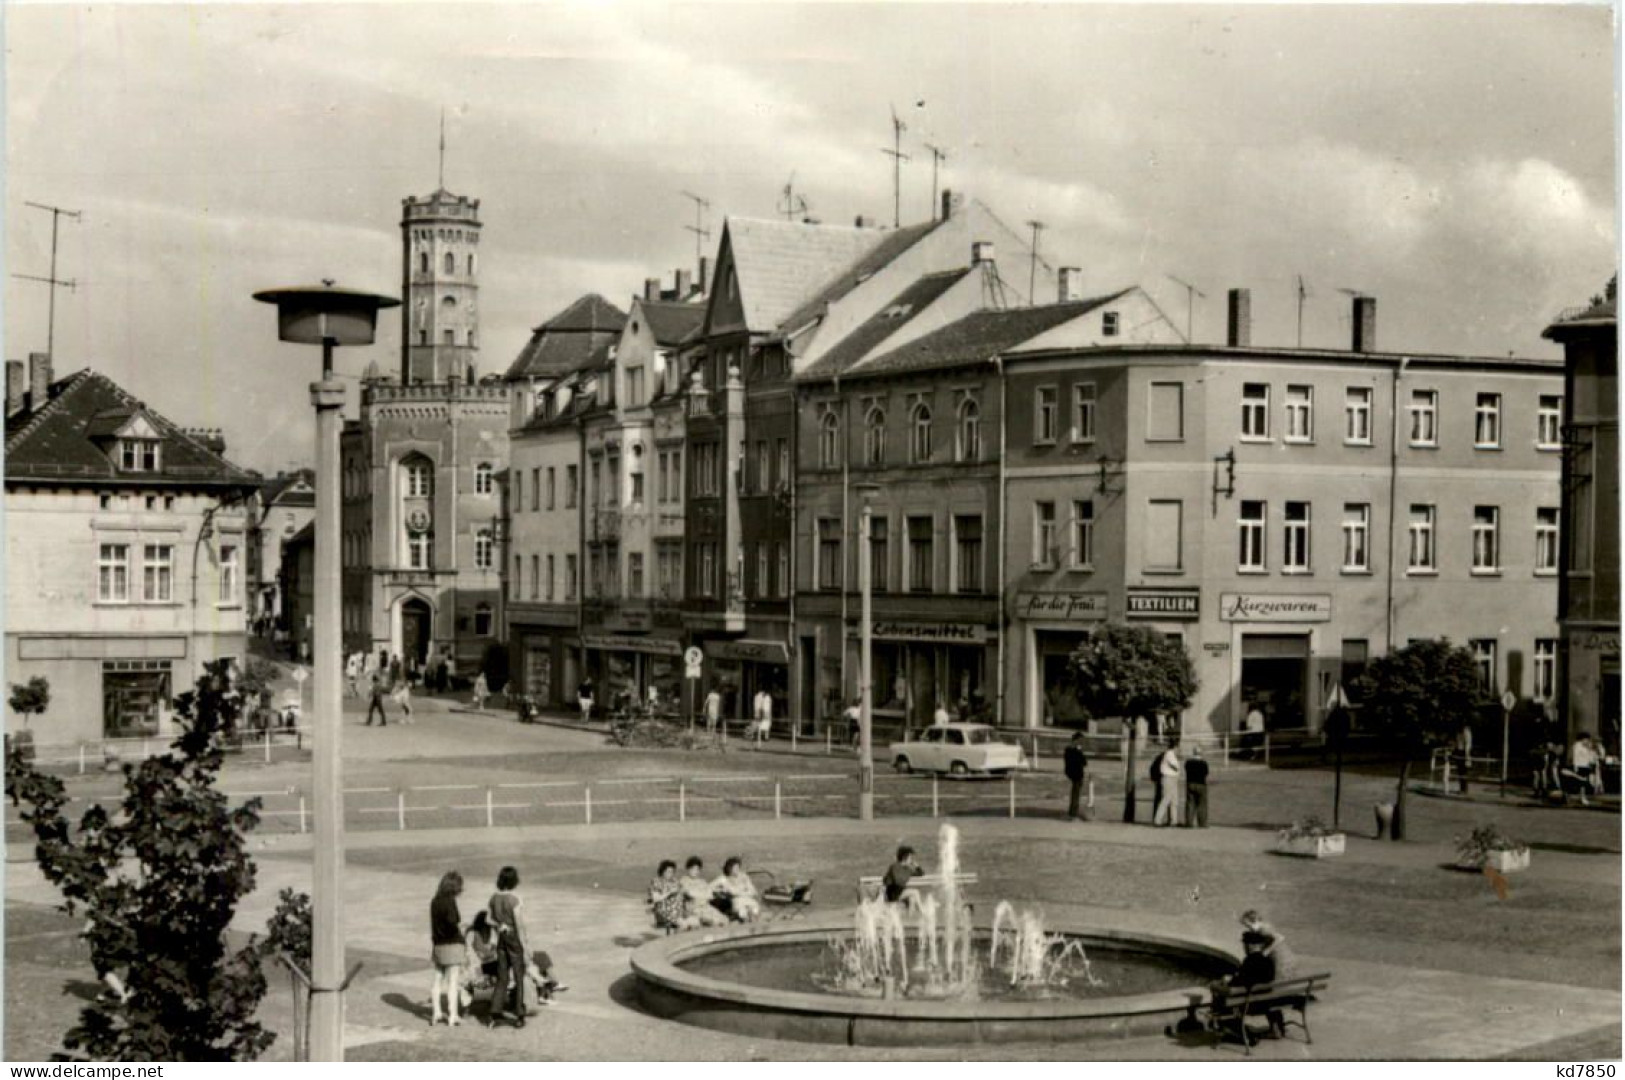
(138, 455)
(1108, 324)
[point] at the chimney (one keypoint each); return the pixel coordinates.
(16, 386)
(949, 204)
(863, 221)
(1071, 289)
(685, 284)
(705, 274)
(39, 379)
(1365, 324)
(981, 252)
(651, 288)
(1240, 323)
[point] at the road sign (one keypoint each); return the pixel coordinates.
(1508, 700)
(1338, 699)
(693, 658)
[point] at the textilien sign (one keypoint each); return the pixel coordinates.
(1164, 604)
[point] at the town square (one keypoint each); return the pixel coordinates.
(549, 532)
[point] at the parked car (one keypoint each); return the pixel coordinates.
(957, 749)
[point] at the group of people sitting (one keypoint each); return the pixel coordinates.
(683, 903)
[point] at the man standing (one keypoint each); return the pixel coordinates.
(1195, 790)
(1252, 730)
(1168, 771)
(1076, 765)
(762, 713)
(713, 716)
(376, 704)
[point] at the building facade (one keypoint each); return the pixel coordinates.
(126, 541)
(285, 504)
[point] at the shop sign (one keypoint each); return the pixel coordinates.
(1593, 641)
(628, 619)
(1164, 604)
(1063, 607)
(618, 642)
(946, 633)
(1263, 607)
(763, 652)
(1216, 647)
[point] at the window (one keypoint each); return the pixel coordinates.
(879, 553)
(1300, 413)
(1044, 419)
(634, 574)
(781, 477)
(1165, 412)
(572, 481)
(829, 554)
(1108, 324)
(1356, 654)
(570, 577)
(612, 480)
(1250, 527)
(1486, 539)
(829, 440)
(1044, 553)
(1356, 537)
(482, 620)
(1424, 418)
(471, 264)
(483, 473)
(419, 550)
(874, 436)
(228, 575)
(968, 553)
(1357, 415)
(704, 474)
(595, 573)
(1545, 675)
(781, 584)
(449, 337)
(423, 262)
(419, 479)
(536, 490)
(920, 576)
(518, 490)
(1546, 540)
(637, 486)
(1422, 554)
(547, 581)
(158, 573)
(1549, 422)
(1295, 556)
(138, 455)
(483, 549)
(552, 476)
(763, 560)
(764, 464)
(1484, 656)
(1083, 534)
(968, 435)
(634, 386)
(1083, 412)
(595, 484)
(113, 574)
(451, 265)
(1255, 411)
(1164, 546)
(516, 586)
(708, 569)
(1487, 422)
(920, 440)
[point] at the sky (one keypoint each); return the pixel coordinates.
(1456, 162)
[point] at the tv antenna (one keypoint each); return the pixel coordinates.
(1032, 263)
(794, 205)
(938, 156)
(1303, 294)
(53, 282)
(898, 157)
(701, 233)
(1191, 293)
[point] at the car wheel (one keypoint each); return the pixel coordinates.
(901, 765)
(958, 768)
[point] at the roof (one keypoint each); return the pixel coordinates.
(670, 322)
(892, 244)
(275, 488)
(567, 340)
(67, 438)
(979, 336)
(883, 324)
(1602, 313)
(581, 402)
(781, 263)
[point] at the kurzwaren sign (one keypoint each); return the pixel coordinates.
(1258, 607)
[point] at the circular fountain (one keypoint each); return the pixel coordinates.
(933, 974)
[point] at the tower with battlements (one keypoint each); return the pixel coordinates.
(440, 264)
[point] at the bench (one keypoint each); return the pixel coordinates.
(870, 887)
(1230, 1007)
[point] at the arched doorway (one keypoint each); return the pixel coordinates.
(417, 629)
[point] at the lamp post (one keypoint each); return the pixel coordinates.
(866, 714)
(329, 317)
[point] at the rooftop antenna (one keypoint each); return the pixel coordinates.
(1032, 263)
(53, 282)
(794, 205)
(1303, 294)
(898, 157)
(442, 148)
(938, 156)
(1191, 293)
(701, 233)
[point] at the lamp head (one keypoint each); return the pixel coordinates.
(318, 314)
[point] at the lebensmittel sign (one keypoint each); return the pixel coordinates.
(1275, 608)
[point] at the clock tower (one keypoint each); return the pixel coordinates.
(440, 325)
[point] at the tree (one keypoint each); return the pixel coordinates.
(33, 696)
(159, 879)
(1134, 673)
(1420, 695)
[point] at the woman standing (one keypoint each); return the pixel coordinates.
(513, 942)
(449, 952)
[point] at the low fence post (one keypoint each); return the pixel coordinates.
(400, 809)
(81, 759)
(936, 811)
(777, 799)
(829, 743)
(1266, 749)
(490, 815)
(793, 726)
(1012, 793)
(682, 801)
(301, 813)
(268, 746)
(587, 802)
(1091, 802)
(1224, 746)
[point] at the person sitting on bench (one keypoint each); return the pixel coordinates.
(899, 876)
(734, 893)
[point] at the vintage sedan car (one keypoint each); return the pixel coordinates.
(957, 749)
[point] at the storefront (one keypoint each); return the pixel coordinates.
(624, 667)
(1592, 684)
(744, 668)
(916, 665)
(1275, 652)
(1052, 625)
(545, 664)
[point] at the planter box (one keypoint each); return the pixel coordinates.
(1312, 847)
(1504, 862)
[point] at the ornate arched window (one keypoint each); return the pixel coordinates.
(874, 436)
(483, 474)
(451, 263)
(418, 478)
(484, 548)
(423, 261)
(829, 440)
(919, 445)
(968, 437)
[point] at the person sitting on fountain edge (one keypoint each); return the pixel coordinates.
(899, 876)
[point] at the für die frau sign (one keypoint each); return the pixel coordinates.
(1263, 607)
(1061, 607)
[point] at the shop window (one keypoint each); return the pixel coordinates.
(134, 696)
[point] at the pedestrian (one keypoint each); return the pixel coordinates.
(1252, 730)
(1461, 755)
(1168, 770)
(105, 955)
(854, 721)
(1584, 758)
(714, 725)
(376, 705)
(763, 714)
(352, 675)
(584, 699)
(513, 946)
(396, 672)
(940, 717)
(448, 950)
(369, 665)
(1196, 771)
(403, 698)
(482, 690)
(1076, 765)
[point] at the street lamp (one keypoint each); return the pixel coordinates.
(329, 317)
(866, 713)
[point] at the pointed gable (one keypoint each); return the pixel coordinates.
(767, 269)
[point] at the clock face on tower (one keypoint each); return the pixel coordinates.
(417, 521)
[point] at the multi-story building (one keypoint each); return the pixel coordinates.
(286, 503)
(1588, 592)
(420, 504)
(125, 546)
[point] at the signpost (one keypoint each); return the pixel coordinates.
(1508, 700)
(1336, 726)
(692, 659)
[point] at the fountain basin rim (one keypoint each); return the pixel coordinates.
(658, 962)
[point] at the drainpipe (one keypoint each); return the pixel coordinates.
(797, 665)
(846, 525)
(998, 708)
(1393, 495)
